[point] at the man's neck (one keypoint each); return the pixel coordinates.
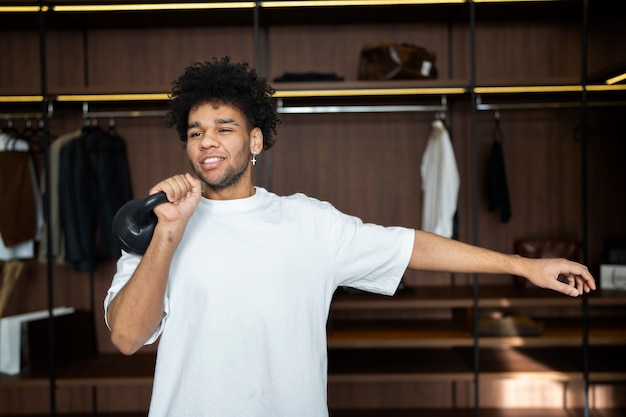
(230, 193)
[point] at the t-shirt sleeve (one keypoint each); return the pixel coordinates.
(367, 256)
(126, 266)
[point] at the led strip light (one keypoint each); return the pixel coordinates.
(153, 6)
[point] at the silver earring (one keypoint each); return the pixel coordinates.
(253, 158)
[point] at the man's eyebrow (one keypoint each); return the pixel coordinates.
(225, 121)
(218, 121)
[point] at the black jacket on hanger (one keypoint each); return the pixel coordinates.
(497, 188)
(94, 183)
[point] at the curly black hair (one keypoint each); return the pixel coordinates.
(221, 81)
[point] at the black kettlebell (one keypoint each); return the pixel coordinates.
(134, 222)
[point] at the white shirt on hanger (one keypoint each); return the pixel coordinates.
(440, 182)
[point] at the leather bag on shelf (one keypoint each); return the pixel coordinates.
(396, 61)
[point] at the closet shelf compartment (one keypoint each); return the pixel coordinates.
(393, 365)
(462, 296)
(377, 333)
(377, 364)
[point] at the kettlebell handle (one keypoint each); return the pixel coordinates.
(143, 214)
(133, 224)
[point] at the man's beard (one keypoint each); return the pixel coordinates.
(231, 176)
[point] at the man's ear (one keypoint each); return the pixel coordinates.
(256, 141)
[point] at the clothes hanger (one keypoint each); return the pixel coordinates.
(10, 129)
(33, 135)
(112, 131)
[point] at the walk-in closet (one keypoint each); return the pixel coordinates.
(526, 79)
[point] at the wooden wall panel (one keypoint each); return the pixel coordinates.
(65, 55)
(20, 400)
(20, 65)
(154, 151)
(128, 399)
(365, 164)
(606, 45)
(532, 53)
(36, 400)
(150, 59)
(460, 48)
(394, 395)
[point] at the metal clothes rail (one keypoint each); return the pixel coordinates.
(547, 105)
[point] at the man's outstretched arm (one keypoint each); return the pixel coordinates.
(435, 253)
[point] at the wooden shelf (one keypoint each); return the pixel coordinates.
(493, 296)
(100, 370)
(393, 365)
(460, 412)
(397, 333)
(422, 297)
(447, 333)
(417, 412)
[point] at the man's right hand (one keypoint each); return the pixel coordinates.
(184, 193)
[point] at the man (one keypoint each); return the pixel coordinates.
(237, 281)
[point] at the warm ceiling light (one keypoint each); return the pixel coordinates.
(23, 9)
(153, 6)
(509, 1)
(330, 3)
(20, 99)
(616, 79)
(529, 89)
(113, 97)
(369, 92)
(614, 87)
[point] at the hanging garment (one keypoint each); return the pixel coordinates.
(108, 153)
(94, 182)
(21, 213)
(57, 236)
(497, 188)
(440, 182)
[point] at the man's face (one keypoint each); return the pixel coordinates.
(219, 148)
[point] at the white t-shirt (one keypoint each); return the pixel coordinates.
(250, 286)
